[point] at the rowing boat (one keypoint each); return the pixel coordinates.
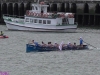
(33, 48)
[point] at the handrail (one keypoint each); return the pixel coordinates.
(13, 16)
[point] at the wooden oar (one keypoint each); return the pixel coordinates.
(90, 44)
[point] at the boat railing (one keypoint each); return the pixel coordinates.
(65, 23)
(76, 23)
(15, 16)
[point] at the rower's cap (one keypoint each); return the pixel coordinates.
(55, 42)
(80, 37)
(68, 42)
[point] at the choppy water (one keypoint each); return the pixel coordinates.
(15, 60)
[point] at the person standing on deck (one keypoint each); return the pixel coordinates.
(81, 42)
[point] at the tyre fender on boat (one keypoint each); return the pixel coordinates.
(35, 14)
(30, 13)
(69, 15)
(39, 14)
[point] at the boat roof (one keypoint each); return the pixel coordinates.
(44, 5)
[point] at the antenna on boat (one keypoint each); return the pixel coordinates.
(38, 2)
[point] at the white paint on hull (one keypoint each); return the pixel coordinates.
(12, 26)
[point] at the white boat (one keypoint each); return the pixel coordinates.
(38, 19)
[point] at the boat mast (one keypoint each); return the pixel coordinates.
(38, 2)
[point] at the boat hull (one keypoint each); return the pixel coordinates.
(49, 28)
(3, 37)
(32, 48)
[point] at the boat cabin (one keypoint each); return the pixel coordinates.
(39, 15)
(38, 8)
(43, 21)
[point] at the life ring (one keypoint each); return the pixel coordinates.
(27, 12)
(31, 13)
(34, 14)
(39, 14)
(70, 15)
(41, 3)
(44, 15)
(62, 15)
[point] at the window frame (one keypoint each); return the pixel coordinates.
(40, 21)
(27, 20)
(48, 21)
(31, 20)
(35, 21)
(44, 22)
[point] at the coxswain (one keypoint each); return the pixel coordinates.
(81, 42)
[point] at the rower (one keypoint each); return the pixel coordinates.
(1, 34)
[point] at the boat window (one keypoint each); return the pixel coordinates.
(35, 20)
(33, 8)
(36, 8)
(40, 21)
(44, 21)
(31, 21)
(42, 8)
(48, 22)
(64, 19)
(27, 20)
